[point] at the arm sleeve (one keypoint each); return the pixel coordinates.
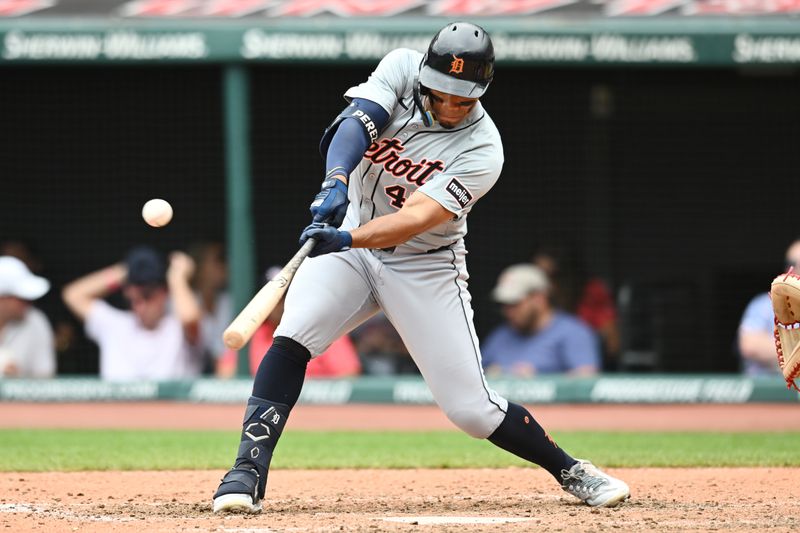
(363, 121)
(466, 180)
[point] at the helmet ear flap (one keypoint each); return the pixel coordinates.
(417, 92)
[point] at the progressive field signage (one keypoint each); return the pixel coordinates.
(413, 390)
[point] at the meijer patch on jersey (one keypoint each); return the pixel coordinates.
(459, 192)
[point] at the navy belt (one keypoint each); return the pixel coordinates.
(391, 249)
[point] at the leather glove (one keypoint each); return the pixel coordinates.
(329, 239)
(785, 294)
(330, 203)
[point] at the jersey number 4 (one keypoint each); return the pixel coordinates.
(397, 193)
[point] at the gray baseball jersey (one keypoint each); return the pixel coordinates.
(454, 167)
(421, 285)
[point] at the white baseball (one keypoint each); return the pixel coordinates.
(157, 212)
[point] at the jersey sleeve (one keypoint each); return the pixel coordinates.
(386, 85)
(466, 180)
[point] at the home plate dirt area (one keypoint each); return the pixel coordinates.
(518, 499)
(458, 500)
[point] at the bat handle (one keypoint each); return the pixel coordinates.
(303, 252)
(257, 310)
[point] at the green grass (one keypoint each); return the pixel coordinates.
(71, 450)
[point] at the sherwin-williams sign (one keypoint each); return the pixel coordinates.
(112, 45)
(591, 45)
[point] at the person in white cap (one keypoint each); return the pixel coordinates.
(536, 338)
(26, 337)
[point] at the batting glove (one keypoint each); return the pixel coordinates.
(329, 239)
(330, 203)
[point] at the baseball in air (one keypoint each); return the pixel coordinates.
(157, 212)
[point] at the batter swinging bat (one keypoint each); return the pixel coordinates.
(262, 304)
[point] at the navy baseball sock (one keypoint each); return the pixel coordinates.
(276, 388)
(281, 373)
(521, 435)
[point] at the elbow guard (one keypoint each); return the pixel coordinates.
(370, 116)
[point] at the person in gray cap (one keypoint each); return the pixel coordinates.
(159, 337)
(26, 337)
(536, 338)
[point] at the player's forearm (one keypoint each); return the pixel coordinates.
(388, 230)
(419, 214)
(80, 294)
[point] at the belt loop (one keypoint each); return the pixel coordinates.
(441, 248)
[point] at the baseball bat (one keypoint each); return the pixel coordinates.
(261, 305)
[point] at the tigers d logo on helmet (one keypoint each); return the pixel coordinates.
(457, 65)
(459, 61)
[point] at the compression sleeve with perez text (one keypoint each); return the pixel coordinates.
(353, 136)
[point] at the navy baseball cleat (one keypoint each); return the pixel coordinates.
(238, 492)
(593, 486)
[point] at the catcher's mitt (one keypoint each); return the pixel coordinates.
(785, 295)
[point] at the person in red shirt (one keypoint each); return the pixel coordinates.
(339, 360)
(575, 291)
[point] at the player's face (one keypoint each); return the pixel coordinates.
(449, 109)
(148, 304)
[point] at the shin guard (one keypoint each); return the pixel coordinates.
(261, 429)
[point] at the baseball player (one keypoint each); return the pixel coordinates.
(406, 162)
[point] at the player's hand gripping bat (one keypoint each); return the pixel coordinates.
(262, 304)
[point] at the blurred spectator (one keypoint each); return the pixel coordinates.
(210, 282)
(69, 344)
(536, 339)
(381, 349)
(26, 338)
(339, 360)
(756, 337)
(151, 341)
(574, 291)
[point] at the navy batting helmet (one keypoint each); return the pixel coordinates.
(459, 61)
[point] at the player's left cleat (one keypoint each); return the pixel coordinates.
(593, 486)
(238, 492)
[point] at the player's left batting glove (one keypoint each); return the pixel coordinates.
(329, 239)
(330, 203)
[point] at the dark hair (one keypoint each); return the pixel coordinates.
(146, 266)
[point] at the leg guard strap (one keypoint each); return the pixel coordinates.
(261, 429)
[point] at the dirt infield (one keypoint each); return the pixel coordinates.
(402, 500)
(513, 499)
